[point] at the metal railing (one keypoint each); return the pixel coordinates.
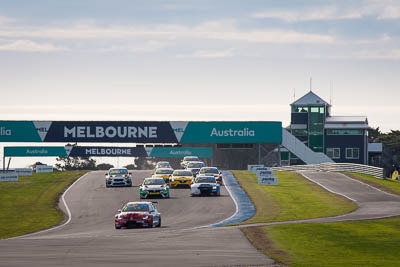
(303, 152)
(336, 167)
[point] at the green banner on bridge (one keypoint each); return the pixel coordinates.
(179, 152)
(232, 132)
(35, 151)
(141, 131)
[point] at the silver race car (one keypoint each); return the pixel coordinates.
(118, 177)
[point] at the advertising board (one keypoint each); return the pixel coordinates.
(99, 151)
(250, 167)
(23, 171)
(141, 131)
(8, 177)
(44, 168)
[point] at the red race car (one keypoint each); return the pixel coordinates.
(138, 214)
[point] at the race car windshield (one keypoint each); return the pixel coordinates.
(190, 158)
(195, 165)
(183, 173)
(136, 207)
(201, 180)
(163, 165)
(154, 182)
(164, 171)
(209, 171)
(118, 171)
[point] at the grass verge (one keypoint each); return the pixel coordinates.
(293, 199)
(30, 204)
(361, 243)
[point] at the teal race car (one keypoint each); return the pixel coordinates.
(154, 187)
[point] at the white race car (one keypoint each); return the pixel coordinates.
(205, 185)
(212, 171)
(154, 187)
(118, 177)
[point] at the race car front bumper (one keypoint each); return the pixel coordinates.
(164, 193)
(178, 182)
(118, 182)
(137, 222)
(205, 190)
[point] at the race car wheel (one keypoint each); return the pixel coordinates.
(117, 227)
(159, 223)
(151, 223)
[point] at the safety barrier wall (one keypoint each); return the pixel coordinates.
(336, 167)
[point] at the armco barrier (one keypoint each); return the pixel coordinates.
(336, 167)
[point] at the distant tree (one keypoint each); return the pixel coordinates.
(142, 164)
(130, 167)
(391, 148)
(373, 134)
(75, 163)
(33, 166)
(104, 166)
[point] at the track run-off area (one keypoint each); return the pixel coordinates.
(186, 238)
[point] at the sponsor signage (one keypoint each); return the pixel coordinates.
(267, 180)
(44, 168)
(250, 167)
(32, 151)
(8, 177)
(180, 152)
(141, 132)
(265, 172)
(266, 177)
(256, 169)
(90, 151)
(98, 151)
(232, 132)
(23, 171)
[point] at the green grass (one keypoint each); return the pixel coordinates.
(30, 204)
(364, 243)
(293, 198)
(359, 243)
(387, 185)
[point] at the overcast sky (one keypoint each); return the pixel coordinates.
(198, 59)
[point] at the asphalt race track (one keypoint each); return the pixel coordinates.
(90, 238)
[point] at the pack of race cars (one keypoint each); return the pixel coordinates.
(201, 180)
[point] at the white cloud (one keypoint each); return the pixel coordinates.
(380, 9)
(4, 20)
(361, 54)
(219, 30)
(30, 46)
(150, 46)
(309, 14)
(209, 54)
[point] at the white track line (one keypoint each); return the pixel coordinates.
(326, 188)
(368, 185)
(66, 207)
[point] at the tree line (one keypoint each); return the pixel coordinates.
(390, 159)
(88, 163)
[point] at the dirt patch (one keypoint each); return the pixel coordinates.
(374, 184)
(260, 240)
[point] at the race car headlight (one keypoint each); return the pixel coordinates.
(214, 187)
